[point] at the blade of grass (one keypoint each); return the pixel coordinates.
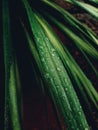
(87, 7)
(39, 78)
(37, 58)
(11, 96)
(54, 78)
(65, 56)
(87, 32)
(82, 44)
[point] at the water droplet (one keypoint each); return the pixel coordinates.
(47, 75)
(66, 81)
(80, 107)
(53, 50)
(42, 59)
(57, 86)
(46, 39)
(86, 129)
(72, 127)
(66, 89)
(58, 69)
(38, 39)
(53, 54)
(80, 124)
(41, 47)
(80, 113)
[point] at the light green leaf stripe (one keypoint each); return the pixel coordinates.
(12, 117)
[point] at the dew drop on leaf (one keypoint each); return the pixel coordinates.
(46, 75)
(58, 69)
(80, 113)
(86, 129)
(66, 89)
(53, 54)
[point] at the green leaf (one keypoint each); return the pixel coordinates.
(11, 91)
(55, 75)
(87, 7)
(73, 22)
(68, 60)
